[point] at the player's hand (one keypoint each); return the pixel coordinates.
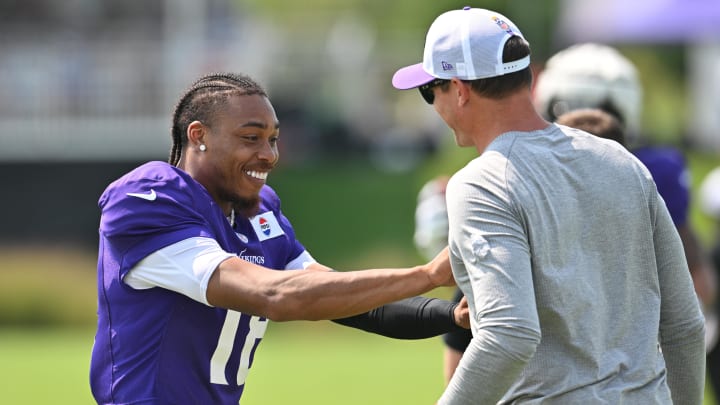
(439, 269)
(462, 314)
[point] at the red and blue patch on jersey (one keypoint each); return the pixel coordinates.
(266, 226)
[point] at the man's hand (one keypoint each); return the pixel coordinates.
(462, 314)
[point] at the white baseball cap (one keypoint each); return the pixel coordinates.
(467, 44)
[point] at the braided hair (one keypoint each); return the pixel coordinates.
(202, 99)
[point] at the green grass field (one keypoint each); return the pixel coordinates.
(300, 363)
(297, 363)
(324, 363)
(45, 366)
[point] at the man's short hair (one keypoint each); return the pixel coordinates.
(500, 86)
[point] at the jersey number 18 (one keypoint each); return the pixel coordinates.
(220, 357)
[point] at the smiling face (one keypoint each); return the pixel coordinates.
(240, 151)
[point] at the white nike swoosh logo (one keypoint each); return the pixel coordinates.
(151, 196)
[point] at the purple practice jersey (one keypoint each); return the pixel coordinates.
(669, 170)
(156, 346)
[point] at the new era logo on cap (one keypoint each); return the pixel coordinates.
(467, 44)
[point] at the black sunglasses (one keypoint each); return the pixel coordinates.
(426, 89)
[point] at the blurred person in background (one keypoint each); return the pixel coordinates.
(191, 255)
(556, 312)
(596, 122)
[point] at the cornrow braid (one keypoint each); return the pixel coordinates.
(202, 99)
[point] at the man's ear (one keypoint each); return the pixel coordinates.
(196, 133)
(463, 90)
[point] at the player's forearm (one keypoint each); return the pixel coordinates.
(315, 296)
(311, 295)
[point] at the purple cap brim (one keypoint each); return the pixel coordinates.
(410, 77)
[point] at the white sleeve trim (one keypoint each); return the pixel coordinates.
(184, 267)
(301, 262)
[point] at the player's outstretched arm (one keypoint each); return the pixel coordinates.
(313, 295)
(411, 318)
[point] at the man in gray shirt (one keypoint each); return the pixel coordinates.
(578, 287)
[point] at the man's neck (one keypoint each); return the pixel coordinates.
(496, 117)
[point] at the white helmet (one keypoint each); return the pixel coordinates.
(590, 76)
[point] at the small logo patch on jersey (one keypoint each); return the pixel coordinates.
(243, 238)
(266, 226)
(151, 196)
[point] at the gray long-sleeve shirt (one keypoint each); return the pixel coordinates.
(575, 276)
